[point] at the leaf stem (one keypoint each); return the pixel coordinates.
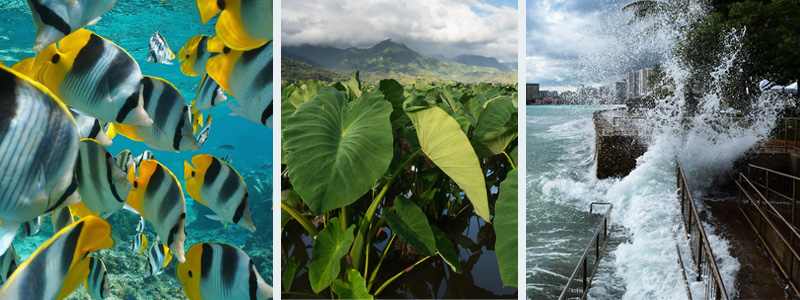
(380, 289)
(509, 160)
(375, 272)
(362, 239)
(300, 218)
(462, 209)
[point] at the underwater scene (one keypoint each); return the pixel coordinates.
(136, 149)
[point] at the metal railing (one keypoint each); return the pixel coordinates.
(704, 263)
(578, 284)
(764, 206)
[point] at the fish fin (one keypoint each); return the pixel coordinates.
(230, 30)
(8, 230)
(183, 52)
(77, 274)
(144, 243)
(208, 9)
(81, 210)
(215, 44)
(94, 21)
(218, 219)
(128, 131)
(168, 254)
(221, 96)
(103, 139)
(236, 110)
(131, 209)
(112, 131)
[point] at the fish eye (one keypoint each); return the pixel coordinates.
(190, 273)
(192, 173)
(187, 55)
(135, 184)
(56, 58)
(226, 50)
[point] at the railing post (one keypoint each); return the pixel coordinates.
(584, 279)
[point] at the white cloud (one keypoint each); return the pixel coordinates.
(444, 27)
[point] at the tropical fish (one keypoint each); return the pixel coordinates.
(96, 284)
(225, 147)
(140, 226)
(228, 159)
(159, 50)
(194, 55)
(221, 271)
(56, 19)
(247, 76)
(9, 262)
(59, 265)
(157, 196)
(62, 217)
(172, 127)
(95, 76)
(218, 186)
(158, 258)
(102, 185)
(243, 24)
(92, 128)
(27, 67)
(147, 154)
(139, 243)
(209, 94)
(124, 160)
(38, 148)
(31, 227)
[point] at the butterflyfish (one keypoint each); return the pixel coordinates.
(215, 184)
(55, 19)
(221, 271)
(159, 50)
(96, 283)
(158, 258)
(247, 76)
(139, 243)
(103, 186)
(9, 262)
(242, 24)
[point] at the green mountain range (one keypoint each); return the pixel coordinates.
(392, 60)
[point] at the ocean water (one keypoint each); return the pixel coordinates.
(130, 24)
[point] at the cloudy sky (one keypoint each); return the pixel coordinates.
(431, 27)
(583, 42)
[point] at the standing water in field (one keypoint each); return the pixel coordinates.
(641, 259)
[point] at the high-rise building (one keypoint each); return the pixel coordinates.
(620, 89)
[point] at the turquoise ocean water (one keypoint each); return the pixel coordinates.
(130, 24)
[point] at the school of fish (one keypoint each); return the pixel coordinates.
(61, 108)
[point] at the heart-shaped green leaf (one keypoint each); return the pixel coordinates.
(445, 249)
(353, 86)
(305, 92)
(394, 94)
(442, 140)
(505, 228)
(330, 246)
(497, 127)
(336, 150)
(355, 289)
(409, 222)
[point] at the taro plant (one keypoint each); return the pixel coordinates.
(360, 160)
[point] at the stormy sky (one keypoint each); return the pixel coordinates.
(584, 42)
(431, 27)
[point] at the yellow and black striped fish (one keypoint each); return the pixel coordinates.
(9, 262)
(102, 185)
(139, 243)
(215, 184)
(62, 217)
(38, 148)
(56, 19)
(124, 160)
(31, 227)
(96, 284)
(158, 258)
(159, 50)
(158, 197)
(247, 76)
(95, 76)
(59, 265)
(172, 126)
(221, 271)
(243, 24)
(194, 55)
(209, 94)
